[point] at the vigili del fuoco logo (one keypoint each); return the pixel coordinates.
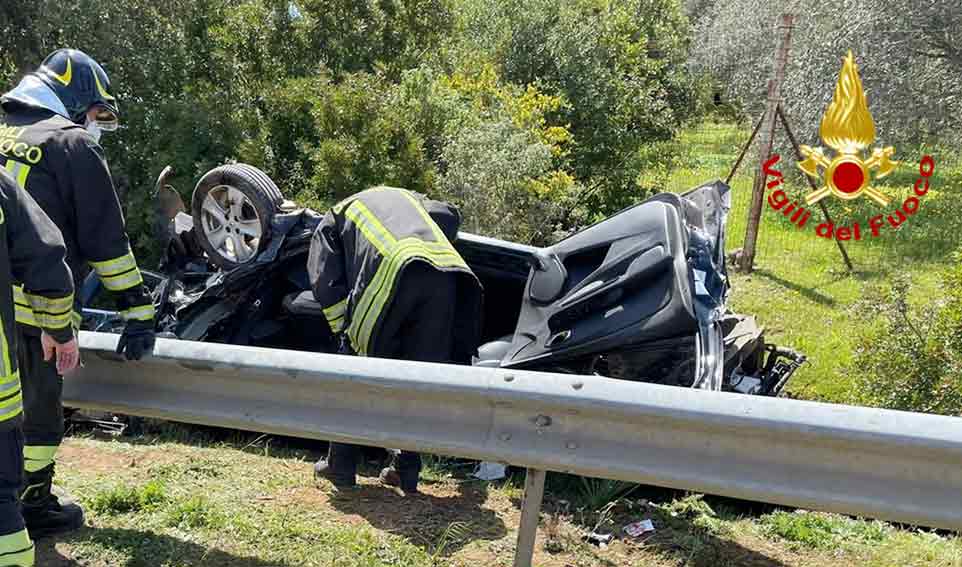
(849, 172)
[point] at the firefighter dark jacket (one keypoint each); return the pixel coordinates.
(64, 170)
(360, 250)
(32, 252)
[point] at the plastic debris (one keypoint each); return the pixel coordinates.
(601, 540)
(491, 471)
(637, 529)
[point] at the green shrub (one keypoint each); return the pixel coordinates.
(911, 356)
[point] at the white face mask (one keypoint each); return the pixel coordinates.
(94, 130)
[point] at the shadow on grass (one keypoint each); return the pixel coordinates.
(440, 525)
(143, 549)
(807, 292)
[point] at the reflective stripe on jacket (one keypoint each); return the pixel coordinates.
(360, 250)
(32, 251)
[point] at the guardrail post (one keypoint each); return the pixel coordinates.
(530, 510)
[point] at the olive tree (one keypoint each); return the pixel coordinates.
(908, 53)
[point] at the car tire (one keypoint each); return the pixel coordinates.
(233, 207)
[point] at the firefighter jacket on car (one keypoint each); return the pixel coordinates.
(31, 252)
(64, 170)
(359, 252)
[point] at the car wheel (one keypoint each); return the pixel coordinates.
(233, 206)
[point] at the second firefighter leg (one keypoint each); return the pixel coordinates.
(44, 512)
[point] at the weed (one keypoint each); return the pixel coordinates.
(123, 499)
(822, 531)
(195, 512)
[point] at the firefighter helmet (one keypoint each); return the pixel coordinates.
(80, 83)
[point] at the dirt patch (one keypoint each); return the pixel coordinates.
(81, 456)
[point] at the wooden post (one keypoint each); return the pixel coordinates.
(765, 147)
(741, 156)
(812, 184)
(530, 511)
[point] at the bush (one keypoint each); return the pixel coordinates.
(911, 358)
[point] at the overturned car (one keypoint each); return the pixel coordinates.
(638, 296)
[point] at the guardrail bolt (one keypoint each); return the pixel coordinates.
(542, 421)
(506, 437)
(571, 445)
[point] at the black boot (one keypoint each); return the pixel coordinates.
(403, 472)
(44, 512)
(340, 466)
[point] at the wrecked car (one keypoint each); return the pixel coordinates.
(638, 296)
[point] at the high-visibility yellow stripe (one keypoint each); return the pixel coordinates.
(37, 457)
(19, 171)
(438, 233)
(387, 270)
(116, 266)
(16, 549)
(6, 365)
(382, 286)
(337, 325)
(123, 281)
(336, 310)
(39, 311)
(48, 321)
(139, 313)
(372, 229)
(11, 408)
(41, 303)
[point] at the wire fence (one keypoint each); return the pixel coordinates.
(929, 233)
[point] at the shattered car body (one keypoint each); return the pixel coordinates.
(638, 296)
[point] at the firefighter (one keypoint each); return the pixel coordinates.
(392, 286)
(32, 253)
(49, 142)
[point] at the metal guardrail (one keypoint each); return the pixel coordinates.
(883, 464)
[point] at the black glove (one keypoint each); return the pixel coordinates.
(137, 339)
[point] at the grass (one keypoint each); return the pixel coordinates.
(182, 500)
(801, 291)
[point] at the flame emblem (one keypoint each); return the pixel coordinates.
(848, 128)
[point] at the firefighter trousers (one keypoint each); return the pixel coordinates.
(418, 325)
(15, 545)
(42, 402)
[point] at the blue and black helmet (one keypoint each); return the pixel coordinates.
(79, 82)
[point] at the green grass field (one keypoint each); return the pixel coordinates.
(186, 497)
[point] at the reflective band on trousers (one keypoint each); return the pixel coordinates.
(37, 457)
(16, 549)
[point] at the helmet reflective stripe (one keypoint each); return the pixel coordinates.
(65, 77)
(79, 82)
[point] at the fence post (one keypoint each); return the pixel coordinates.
(530, 511)
(765, 147)
(798, 155)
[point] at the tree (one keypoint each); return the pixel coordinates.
(908, 56)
